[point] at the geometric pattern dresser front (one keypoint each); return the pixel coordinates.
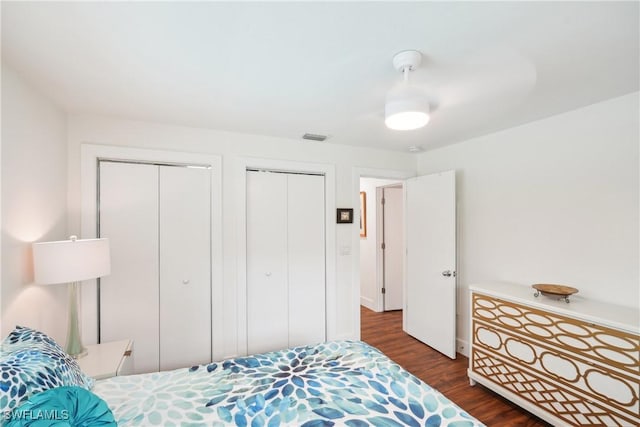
(564, 369)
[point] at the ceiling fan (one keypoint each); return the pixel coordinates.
(406, 107)
(479, 85)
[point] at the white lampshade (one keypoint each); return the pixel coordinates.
(406, 109)
(70, 260)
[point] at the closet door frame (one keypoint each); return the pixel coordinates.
(240, 172)
(90, 155)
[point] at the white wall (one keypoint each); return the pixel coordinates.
(233, 146)
(553, 201)
(368, 253)
(34, 202)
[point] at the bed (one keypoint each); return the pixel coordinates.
(341, 383)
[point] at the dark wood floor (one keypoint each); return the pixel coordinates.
(384, 331)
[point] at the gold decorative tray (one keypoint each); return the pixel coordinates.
(561, 292)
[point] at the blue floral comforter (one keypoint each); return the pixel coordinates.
(343, 383)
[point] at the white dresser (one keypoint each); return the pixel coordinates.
(575, 363)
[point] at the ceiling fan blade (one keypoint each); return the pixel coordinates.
(497, 74)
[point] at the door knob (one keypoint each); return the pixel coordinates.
(186, 281)
(449, 273)
(268, 274)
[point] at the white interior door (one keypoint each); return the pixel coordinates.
(267, 302)
(393, 229)
(129, 295)
(430, 310)
(306, 259)
(185, 266)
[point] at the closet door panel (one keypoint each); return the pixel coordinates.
(267, 305)
(185, 272)
(306, 259)
(128, 215)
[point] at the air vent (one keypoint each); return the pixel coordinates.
(314, 137)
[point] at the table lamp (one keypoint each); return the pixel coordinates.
(71, 261)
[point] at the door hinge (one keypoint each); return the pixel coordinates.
(383, 201)
(383, 246)
(384, 290)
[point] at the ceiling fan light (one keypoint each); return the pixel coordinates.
(408, 120)
(406, 113)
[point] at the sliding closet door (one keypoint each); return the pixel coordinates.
(306, 259)
(185, 272)
(285, 260)
(128, 201)
(267, 304)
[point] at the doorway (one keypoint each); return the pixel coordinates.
(391, 250)
(429, 265)
(381, 244)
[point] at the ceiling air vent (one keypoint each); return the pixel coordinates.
(314, 137)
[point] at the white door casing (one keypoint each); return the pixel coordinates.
(357, 173)
(90, 155)
(239, 171)
(430, 297)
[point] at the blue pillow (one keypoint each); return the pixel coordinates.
(62, 406)
(32, 362)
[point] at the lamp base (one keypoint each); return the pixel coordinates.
(74, 347)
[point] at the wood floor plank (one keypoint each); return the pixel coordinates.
(384, 331)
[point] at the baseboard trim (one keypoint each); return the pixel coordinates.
(462, 347)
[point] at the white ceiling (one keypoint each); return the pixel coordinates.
(283, 69)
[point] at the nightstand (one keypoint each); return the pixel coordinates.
(108, 359)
